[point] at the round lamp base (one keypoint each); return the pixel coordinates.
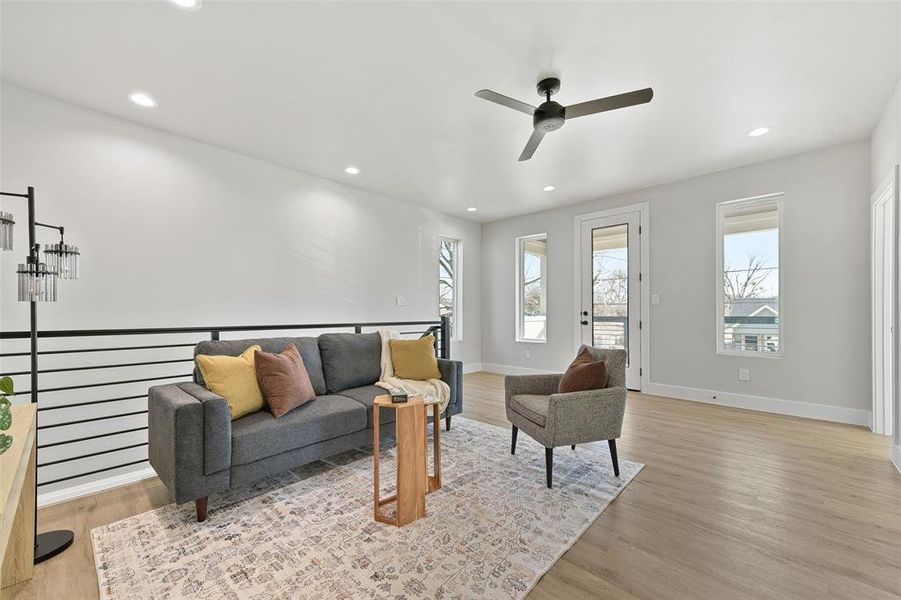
(51, 543)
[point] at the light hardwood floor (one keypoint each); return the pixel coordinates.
(731, 504)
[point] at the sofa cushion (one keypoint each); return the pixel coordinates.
(307, 346)
(350, 360)
(365, 395)
(534, 408)
(235, 379)
(414, 359)
(260, 435)
(283, 380)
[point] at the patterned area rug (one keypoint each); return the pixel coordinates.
(491, 532)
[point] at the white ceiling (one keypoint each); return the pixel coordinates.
(389, 86)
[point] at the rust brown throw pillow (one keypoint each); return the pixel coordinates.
(584, 373)
(284, 380)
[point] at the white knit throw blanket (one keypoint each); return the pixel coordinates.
(434, 388)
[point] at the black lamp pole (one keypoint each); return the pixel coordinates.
(49, 544)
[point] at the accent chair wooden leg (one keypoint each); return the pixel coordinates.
(574, 446)
(549, 466)
(447, 423)
(612, 444)
(200, 505)
(513, 442)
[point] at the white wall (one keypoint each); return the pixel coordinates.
(826, 304)
(885, 153)
(178, 233)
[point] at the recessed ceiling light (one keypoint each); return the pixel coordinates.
(759, 131)
(142, 99)
(352, 170)
(471, 209)
(548, 188)
(187, 4)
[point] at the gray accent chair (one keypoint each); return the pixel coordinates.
(553, 419)
(196, 449)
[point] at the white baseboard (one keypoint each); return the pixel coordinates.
(896, 456)
(93, 487)
(822, 412)
(512, 370)
(472, 367)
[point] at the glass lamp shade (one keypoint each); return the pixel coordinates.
(37, 283)
(63, 259)
(6, 230)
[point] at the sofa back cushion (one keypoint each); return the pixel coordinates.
(350, 360)
(307, 346)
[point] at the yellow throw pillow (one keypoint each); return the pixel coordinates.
(235, 379)
(415, 359)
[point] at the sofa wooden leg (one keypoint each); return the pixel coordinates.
(200, 505)
(549, 465)
(612, 444)
(447, 423)
(574, 446)
(513, 441)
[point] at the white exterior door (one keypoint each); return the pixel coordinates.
(611, 279)
(883, 257)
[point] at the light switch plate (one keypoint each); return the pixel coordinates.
(655, 298)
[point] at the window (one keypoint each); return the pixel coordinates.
(748, 303)
(531, 288)
(449, 292)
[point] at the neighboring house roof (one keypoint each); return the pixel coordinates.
(747, 307)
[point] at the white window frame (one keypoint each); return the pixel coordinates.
(520, 241)
(721, 209)
(457, 275)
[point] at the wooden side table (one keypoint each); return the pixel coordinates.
(413, 480)
(17, 500)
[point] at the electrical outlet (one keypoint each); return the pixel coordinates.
(527, 354)
(744, 375)
(400, 300)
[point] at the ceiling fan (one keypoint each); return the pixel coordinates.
(550, 115)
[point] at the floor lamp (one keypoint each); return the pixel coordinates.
(37, 283)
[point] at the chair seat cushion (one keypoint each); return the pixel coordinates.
(365, 395)
(260, 435)
(534, 408)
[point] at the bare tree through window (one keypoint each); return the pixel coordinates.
(447, 282)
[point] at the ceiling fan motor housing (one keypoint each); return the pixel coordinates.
(550, 116)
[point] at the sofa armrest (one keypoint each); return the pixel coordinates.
(538, 385)
(189, 438)
(452, 375)
(580, 417)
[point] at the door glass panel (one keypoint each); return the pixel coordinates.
(610, 286)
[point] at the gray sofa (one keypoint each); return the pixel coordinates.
(196, 449)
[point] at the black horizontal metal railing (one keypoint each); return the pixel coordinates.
(439, 328)
(610, 332)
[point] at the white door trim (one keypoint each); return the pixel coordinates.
(644, 211)
(884, 405)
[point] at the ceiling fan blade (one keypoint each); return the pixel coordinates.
(531, 145)
(506, 101)
(609, 103)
